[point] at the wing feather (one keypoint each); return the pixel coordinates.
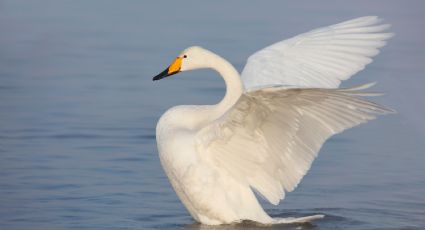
(321, 58)
(270, 138)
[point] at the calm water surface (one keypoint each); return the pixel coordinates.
(78, 112)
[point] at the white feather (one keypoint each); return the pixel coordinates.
(270, 137)
(320, 58)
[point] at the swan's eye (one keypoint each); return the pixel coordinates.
(185, 56)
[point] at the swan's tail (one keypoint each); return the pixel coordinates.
(296, 220)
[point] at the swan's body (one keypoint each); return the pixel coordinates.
(265, 138)
(211, 195)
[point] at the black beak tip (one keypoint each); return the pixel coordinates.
(161, 75)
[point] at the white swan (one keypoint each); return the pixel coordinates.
(270, 125)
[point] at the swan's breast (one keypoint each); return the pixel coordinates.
(182, 118)
(175, 134)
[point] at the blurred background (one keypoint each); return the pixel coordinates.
(78, 111)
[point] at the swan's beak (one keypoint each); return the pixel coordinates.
(171, 70)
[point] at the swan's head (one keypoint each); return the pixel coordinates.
(194, 57)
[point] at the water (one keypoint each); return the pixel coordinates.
(78, 112)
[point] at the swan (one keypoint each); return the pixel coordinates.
(263, 136)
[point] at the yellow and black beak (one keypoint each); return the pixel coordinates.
(171, 70)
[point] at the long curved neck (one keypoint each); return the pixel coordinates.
(234, 86)
(196, 117)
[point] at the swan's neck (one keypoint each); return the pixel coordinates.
(234, 86)
(195, 117)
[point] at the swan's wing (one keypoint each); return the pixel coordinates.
(321, 58)
(270, 137)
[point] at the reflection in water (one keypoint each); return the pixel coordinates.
(327, 221)
(250, 226)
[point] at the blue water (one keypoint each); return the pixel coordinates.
(78, 112)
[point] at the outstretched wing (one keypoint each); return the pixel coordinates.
(321, 58)
(269, 139)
